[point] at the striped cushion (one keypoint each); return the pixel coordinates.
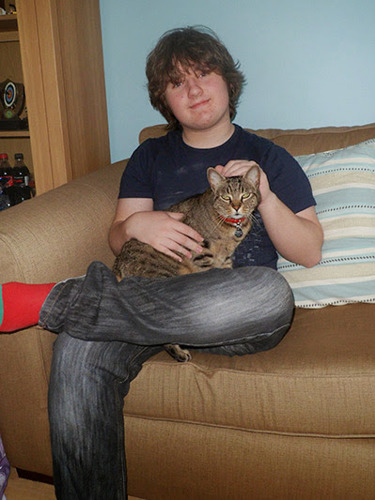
(343, 183)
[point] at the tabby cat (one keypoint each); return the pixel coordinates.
(222, 215)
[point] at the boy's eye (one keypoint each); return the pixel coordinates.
(201, 72)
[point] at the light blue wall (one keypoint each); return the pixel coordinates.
(308, 62)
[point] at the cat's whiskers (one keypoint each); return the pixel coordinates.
(254, 220)
(218, 222)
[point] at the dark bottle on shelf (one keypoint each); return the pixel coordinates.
(6, 171)
(21, 174)
(21, 180)
(6, 181)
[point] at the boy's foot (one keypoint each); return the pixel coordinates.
(20, 304)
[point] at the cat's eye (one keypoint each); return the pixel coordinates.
(225, 197)
(245, 196)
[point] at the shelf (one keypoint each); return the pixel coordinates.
(14, 133)
(9, 28)
(8, 22)
(9, 36)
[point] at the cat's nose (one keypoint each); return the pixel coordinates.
(236, 206)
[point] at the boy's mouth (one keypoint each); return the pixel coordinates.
(199, 104)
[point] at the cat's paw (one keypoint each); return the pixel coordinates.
(181, 355)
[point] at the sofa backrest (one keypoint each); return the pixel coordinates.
(298, 141)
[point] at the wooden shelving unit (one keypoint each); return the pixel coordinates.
(12, 141)
(54, 47)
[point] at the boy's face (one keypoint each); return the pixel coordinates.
(199, 100)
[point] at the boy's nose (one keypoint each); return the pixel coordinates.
(193, 87)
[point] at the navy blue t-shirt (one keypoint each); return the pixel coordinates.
(168, 171)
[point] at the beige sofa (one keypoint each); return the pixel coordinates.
(297, 422)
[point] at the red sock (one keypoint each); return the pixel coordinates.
(20, 304)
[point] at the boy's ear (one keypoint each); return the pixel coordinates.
(214, 178)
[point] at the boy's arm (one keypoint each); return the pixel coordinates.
(118, 232)
(135, 218)
(297, 237)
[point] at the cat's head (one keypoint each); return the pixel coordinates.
(235, 197)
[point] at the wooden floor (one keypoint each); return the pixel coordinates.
(23, 489)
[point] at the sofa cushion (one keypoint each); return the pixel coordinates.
(275, 391)
(343, 183)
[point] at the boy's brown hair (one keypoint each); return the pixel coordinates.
(197, 47)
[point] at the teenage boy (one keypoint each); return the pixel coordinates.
(108, 329)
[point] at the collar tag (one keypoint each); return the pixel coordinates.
(238, 233)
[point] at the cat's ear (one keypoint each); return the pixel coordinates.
(214, 178)
(253, 175)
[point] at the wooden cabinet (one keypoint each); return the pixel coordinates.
(55, 48)
(12, 142)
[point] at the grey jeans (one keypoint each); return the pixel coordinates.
(108, 329)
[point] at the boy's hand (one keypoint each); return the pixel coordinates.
(235, 167)
(165, 232)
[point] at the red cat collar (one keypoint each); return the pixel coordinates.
(232, 221)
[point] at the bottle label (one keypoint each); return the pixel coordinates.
(6, 180)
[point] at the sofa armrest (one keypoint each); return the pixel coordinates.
(49, 238)
(56, 235)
